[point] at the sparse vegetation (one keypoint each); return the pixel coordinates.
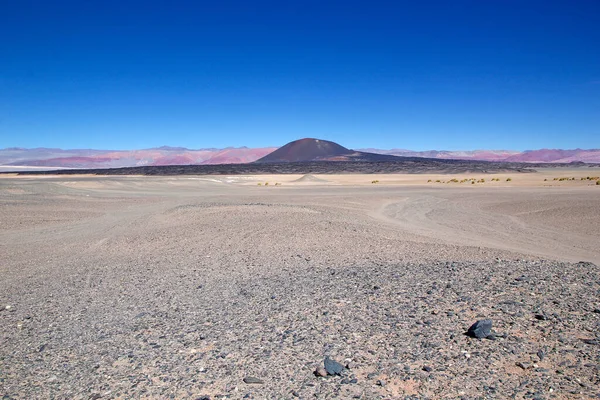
(508, 179)
(259, 184)
(597, 182)
(429, 181)
(266, 183)
(375, 181)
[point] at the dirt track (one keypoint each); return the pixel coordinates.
(179, 287)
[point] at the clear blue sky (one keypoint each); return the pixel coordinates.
(389, 74)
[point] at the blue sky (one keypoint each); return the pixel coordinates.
(387, 74)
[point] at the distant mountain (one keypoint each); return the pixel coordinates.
(299, 150)
(310, 149)
(532, 156)
(306, 150)
(58, 158)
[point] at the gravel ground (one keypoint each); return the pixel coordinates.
(163, 289)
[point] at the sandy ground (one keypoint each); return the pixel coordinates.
(76, 250)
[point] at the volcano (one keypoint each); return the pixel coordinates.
(310, 149)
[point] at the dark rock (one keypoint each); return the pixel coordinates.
(591, 341)
(427, 368)
(480, 329)
(541, 354)
(523, 365)
(333, 367)
(541, 317)
(381, 383)
(252, 380)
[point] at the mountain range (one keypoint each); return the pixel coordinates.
(300, 150)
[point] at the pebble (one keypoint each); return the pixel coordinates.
(480, 329)
(333, 367)
(320, 371)
(252, 380)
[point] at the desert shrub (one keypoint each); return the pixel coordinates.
(266, 183)
(545, 180)
(508, 179)
(597, 182)
(259, 184)
(429, 181)
(472, 182)
(438, 181)
(375, 181)
(277, 184)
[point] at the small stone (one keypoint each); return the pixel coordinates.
(541, 354)
(381, 383)
(252, 380)
(591, 341)
(523, 365)
(333, 367)
(427, 368)
(354, 380)
(320, 371)
(480, 329)
(541, 317)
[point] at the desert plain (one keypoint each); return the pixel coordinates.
(210, 287)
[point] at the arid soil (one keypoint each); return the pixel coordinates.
(208, 287)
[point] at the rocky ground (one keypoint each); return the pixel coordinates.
(145, 301)
(398, 329)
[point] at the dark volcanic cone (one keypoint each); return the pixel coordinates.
(319, 150)
(306, 150)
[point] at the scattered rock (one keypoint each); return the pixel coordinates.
(333, 367)
(480, 329)
(541, 354)
(252, 380)
(320, 371)
(523, 365)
